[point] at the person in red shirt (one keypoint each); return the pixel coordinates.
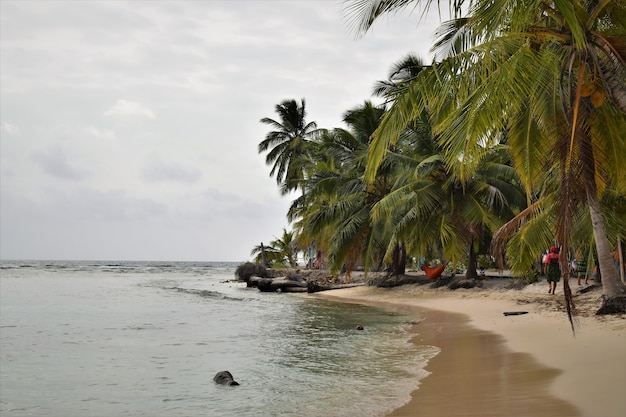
(553, 269)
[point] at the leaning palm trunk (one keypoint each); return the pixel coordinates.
(614, 292)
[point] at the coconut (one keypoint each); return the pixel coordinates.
(597, 98)
(587, 89)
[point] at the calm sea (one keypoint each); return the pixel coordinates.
(146, 338)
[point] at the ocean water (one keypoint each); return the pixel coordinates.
(146, 338)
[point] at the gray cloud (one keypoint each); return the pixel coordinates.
(158, 171)
(129, 129)
(55, 162)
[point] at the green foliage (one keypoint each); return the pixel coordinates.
(495, 138)
(281, 251)
(514, 72)
(484, 261)
(289, 144)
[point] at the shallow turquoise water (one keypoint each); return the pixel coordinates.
(145, 339)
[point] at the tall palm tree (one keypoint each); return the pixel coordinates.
(335, 207)
(286, 246)
(266, 255)
(288, 144)
(549, 75)
(281, 250)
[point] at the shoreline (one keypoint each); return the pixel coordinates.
(573, 375)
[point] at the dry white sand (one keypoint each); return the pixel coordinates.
(588, 369)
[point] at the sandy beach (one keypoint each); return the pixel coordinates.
(518, 365)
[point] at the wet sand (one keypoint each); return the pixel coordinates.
(496, 365)
(475, 374)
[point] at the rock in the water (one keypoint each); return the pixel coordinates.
(224, 378)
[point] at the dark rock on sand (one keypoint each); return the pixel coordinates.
(463, 283)
(442, 281)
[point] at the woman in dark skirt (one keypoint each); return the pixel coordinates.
(553, 269)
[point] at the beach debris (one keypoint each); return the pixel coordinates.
(317, 287)
(284, 284)
(514, 313)
(295, 280)
(457, 283)
(224, 378)
(443, 281)
(588, 288)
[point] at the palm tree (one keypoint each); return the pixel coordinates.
(401, 73)
(433, 208)
(288, 144)
(335, 207)
(286, 246)
(280, 250)
(265, 255)
(530, 231)
(548, 75)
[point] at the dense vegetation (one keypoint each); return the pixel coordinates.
(511, 142)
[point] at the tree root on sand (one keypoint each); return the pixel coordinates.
(613, 305)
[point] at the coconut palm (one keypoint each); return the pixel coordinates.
(433, 208)
(549, 75)
(280, 250)
(286, 246)
(265, 255)
(288, 144)
(335, 207)
(400, 74)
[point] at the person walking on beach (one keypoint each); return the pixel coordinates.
(553, 273)
(581, 268)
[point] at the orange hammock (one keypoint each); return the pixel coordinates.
(433, 273)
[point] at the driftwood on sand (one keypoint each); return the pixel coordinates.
(285, 284)
(297, 280)
(390, 281)
(282, 283)
(315, 280)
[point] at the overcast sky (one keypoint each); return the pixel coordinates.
(129, 130)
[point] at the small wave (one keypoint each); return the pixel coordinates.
(124, 267)
(8, 265)
(202, 293)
